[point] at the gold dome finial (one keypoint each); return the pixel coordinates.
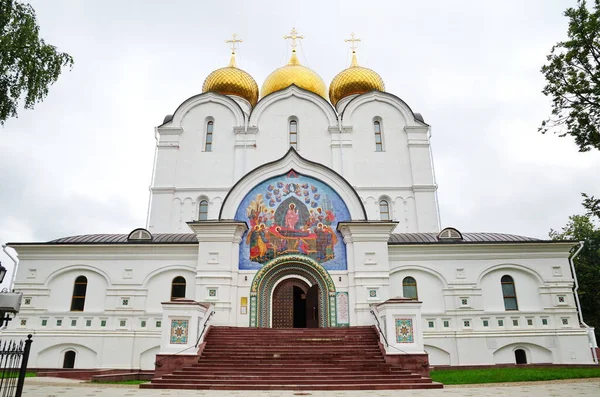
(353, 40)
(294, 73)
(233, 42)
(355, 80)
(231, 80)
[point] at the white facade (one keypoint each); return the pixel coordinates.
(462, 319)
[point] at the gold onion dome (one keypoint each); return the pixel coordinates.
(294, 73)
(231, 80)
(354, 80)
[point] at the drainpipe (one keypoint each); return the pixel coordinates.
(591, 335)
(14, 275)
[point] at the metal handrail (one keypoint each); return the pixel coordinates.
(203, 328)
(158, 363)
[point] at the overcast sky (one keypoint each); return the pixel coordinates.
(81, 161)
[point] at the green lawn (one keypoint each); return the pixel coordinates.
(519, 374)
(124, 382)
(16, 374)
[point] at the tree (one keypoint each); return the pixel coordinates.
(587, 265)
(573, 79)
(28, 66)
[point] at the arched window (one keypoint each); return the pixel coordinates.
(520, 356)
(294, 134)
(209, 136)
(178, 288)
(509, 293)
(203, 212)
(69, 360)
(384, 210)
(79, 290)
(409, 288)
(378, 140)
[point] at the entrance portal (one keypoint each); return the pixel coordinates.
(295, 305)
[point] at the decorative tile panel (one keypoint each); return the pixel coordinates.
(343, 309)
(179, 332)
(404, 330)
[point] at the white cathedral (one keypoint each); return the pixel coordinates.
(297, 207)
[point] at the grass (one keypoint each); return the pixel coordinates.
(519, 374)
(123, 382)
(7, 375)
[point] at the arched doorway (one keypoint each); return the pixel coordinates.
(520, 356)
(69, 360)
(295, 304)
(292, 284)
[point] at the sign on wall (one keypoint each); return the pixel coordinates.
(292, 214)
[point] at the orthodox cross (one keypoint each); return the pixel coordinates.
(233, 42)
(352, 40)
(294, 36)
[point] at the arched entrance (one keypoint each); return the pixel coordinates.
(520, 356)
(292, 291)
(295, 304)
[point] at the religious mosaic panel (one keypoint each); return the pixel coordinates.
(179, 332)
(292, 214)
(404, 330)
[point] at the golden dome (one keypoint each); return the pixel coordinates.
(354, 80)
(231, 80)
(294, 73)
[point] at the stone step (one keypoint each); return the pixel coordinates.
(251, 386)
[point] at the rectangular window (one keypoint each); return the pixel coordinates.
(103, 323)
(158, 324)
(431, 324)
(378, 140)
(58, 323)
(515, 323)
(143, 324)
(500, 323)
(565, 321)
(529, 321)
(486, 323)
(446, 324)
(88, 323)
(544, 321)
(44, 322)
(122, 323)
(73, 323)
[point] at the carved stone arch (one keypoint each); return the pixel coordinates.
(285, 266)
(297, 92)
(384, 97)
(511, 266)
(423, 269)
(293, 161)
(207, 97)
(70, 268)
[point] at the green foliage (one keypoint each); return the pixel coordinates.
(518, 374)
(573, 79)
(587, 265)
(28, 66)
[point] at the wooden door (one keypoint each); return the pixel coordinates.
(312, 307)
(283, 302)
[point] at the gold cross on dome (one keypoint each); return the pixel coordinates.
(294, 36)
(352, 40)
(233, 42)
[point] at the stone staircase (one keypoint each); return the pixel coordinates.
(292, 359)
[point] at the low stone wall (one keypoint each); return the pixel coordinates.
(417, 363)
(89, 374)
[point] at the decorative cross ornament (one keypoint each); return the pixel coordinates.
(294, 36)
(352, 40)
(233, 42)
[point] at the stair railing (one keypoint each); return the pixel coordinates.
(206, 319)
(425, 363)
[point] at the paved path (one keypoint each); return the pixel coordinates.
(48, 387)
